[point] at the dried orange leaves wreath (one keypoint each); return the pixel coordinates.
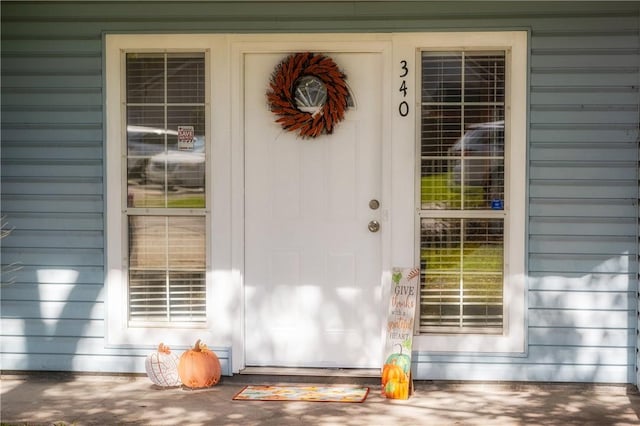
(281, 95)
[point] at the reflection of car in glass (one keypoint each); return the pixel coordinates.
(142, 143)
(179, 168)
(479, 155)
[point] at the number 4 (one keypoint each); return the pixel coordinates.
(403, 88)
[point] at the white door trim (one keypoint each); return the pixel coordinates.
(289, 43)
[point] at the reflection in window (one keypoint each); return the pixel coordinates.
(462, 153)
(165, 91)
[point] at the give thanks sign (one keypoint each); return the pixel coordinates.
(396, 372)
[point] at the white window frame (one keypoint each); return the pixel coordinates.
(408, 47)
(118, 331)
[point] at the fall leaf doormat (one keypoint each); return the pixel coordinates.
(302, 393)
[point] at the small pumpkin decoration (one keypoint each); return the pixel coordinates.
(395, 376)
(199, 367)
(162, 367)
(392, 372)
(400, 359)
(397, 389)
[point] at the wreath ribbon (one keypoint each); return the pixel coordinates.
(281, 95)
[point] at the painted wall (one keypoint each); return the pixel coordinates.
(583, 179)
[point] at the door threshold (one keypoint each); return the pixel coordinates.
(312, 372)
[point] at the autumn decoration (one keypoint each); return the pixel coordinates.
(199, 367)
(284, 94)
(395, 376)
(162, 367)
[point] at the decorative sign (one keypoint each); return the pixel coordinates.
(396, 372)
(186, 136)
(308, 93)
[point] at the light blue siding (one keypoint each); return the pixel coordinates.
(582, 241)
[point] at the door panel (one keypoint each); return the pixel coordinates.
(312, 267)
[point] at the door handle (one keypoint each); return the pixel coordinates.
(374, 226)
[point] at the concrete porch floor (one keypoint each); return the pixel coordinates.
(65, 399)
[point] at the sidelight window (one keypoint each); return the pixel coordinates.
(462, 181)
(471, 191)
(165, 186)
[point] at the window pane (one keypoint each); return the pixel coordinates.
(462, 274)
(477, 165)
(145, 78)
(164, 170)
(179, 172)
(462, 170)
(167, 268)
(484, 77)
(441, 128)
(462, 131)
(441, 77)
(185, 78)
(146, 136)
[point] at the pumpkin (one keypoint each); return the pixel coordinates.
(395, 382)
(199, 367)
(397, 390)
(162, 367)
(400, 359)
(392, 372)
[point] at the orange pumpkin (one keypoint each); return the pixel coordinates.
(397, 390)
(199, 367)
(392, 372)
(395, 382)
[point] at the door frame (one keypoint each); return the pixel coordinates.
(291, 43)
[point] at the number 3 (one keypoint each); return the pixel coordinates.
(404, 68)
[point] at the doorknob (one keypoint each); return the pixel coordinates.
(374, 226)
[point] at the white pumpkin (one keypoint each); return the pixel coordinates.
(162, 367)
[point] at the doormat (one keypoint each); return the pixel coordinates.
(302, 393)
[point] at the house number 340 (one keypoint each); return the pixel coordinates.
(403, 106)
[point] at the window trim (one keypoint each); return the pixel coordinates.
(118, 331)
(515, 44)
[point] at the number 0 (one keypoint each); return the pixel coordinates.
(403, 109)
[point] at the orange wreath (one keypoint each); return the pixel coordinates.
(282, 101)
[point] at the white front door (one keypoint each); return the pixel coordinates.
(312, 267)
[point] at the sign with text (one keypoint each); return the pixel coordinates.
(396, 372)
(186, 136)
